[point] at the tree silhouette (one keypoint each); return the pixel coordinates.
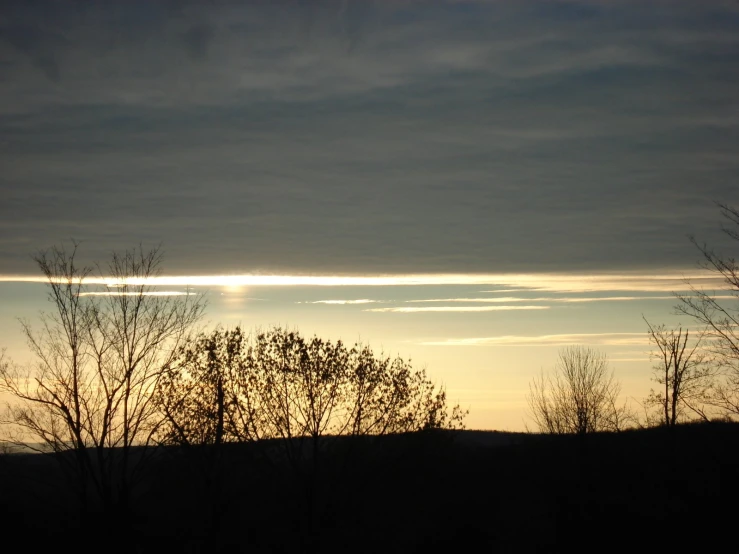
(226, 386)
(276, 384)
(100, 354)
(684, 371)
(196, 394)
(720, 319)
(580, 396)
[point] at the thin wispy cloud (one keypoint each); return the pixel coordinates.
(409, 310)
(343, 302)
(497, 291)
(142, 293)
(604, 339)
(506, 299)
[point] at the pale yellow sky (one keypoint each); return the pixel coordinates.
(486, 358)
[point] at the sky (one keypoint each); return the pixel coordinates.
(544, 151)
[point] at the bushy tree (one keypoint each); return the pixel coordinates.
(278, 384)
(196, 394)
(228, 386)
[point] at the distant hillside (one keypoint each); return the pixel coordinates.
(654, 489)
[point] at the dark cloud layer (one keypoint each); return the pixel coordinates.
(357, 136)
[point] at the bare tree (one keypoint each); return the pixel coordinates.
(99, 356)
(720, 319)
(685, 373)
(580, 396)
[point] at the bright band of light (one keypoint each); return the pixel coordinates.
(541, 282)
(144, 293)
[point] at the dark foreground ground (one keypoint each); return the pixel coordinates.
(649, 490)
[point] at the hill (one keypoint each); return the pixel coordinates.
(487, 491)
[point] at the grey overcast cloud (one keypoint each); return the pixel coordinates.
(369, 137)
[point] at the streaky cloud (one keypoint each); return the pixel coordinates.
(506, 299)
(409, 310)
(343, 302)
(498, 291)
(605, 339)
(141, 293)
(535, 141)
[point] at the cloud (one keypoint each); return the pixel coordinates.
(341, 302)
(197, 40)
(507, 299)
(603, 339)
(142, 293)
(408, 310)
(376, 137)
(506, 290)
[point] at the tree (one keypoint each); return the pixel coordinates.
(196, 394)
(100, 354)
(684, 372)
(228, 386)
(579, 397)
(720, 319)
